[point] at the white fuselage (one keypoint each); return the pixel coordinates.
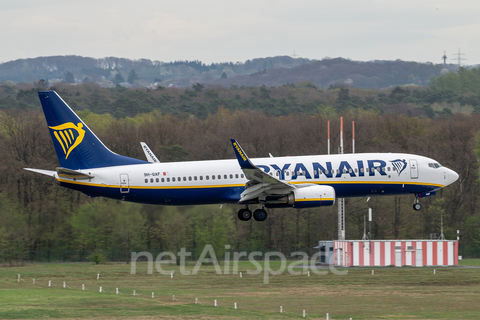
(222, 181)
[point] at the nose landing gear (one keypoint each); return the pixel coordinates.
(416, 204)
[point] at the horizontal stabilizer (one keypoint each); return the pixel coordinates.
(73, 174)
(45, 172)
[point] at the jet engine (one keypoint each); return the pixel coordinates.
(306, 197)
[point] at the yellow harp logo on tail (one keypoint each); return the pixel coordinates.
(69, 136)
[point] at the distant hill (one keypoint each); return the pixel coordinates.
(271, 71)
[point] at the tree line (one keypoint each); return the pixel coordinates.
(445, 95)
(38, 216)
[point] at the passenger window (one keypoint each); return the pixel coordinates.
(163, 179)
(219, 177)
(201, 177)
(236, 175)
(189, 178)
(168, 179)
(225, 176)
(388, 168)
(206, 177)
(383, 169)
(146, 180)
(195, 178)
(173, 179)
(287, 173)
(151, 180)
(362, 170)
(156, 180)
(356, 170)
(344, 170)
(184, 178)
(231, 176)
(242, 175)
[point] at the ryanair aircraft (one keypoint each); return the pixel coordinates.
(87, 165)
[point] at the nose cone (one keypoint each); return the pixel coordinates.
(452, 176)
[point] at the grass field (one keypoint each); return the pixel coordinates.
(392, 293)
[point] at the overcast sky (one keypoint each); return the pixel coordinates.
(222, 31)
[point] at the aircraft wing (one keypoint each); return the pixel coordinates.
(260, 184)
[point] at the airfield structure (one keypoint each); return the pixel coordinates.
(384, 253)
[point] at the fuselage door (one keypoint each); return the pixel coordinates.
(124, 185)
(413, 169)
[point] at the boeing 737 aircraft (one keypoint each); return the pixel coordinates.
(87, 165)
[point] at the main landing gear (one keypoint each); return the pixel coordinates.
(259, 214)
(416, 204)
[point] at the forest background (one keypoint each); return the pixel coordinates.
(42, 221)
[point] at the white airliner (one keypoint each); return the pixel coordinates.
(87, 165)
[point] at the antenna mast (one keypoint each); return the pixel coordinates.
(459, 57)
(444, 59)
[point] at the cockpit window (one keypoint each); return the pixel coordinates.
(434, 165)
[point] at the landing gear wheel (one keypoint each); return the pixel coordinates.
(417, 206)
(244, 214)
(260, 215)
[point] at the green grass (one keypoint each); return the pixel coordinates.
(469, 262)
(392, 293)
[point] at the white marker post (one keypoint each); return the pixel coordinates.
(19, 277)
(153, 295)
(98, 276)
(196, 300)
(116, 290)
(304, 313)
(171, 275)
(240, 274)
(100, 290)
(373, 272)
(235, 305)
(33, 280)
(215, 303)
(49, 283)
(281, 309)
(327, 316)
(64, 284)
(83, 287)
(134, 293)
(308, 272)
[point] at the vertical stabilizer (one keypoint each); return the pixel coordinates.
(76, 145)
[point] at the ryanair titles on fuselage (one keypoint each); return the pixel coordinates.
(345, 168)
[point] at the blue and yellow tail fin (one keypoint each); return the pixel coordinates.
(76, 145)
